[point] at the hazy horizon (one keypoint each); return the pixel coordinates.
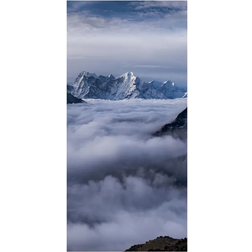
(146, 38)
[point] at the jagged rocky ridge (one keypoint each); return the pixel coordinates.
(177, 128)
(162, 243)
(71, 99)
(126, 86)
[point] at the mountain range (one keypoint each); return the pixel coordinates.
(126, 86)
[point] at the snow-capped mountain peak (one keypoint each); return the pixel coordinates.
(111, 76)
(125, 86)
(88, 74)
(168, 82)
(128, 75)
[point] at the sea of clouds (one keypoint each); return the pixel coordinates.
(124, 186)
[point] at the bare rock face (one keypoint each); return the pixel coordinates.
(71, 99)
(177, 128)
(162, 243)
(126, 86)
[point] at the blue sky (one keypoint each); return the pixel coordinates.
(144, 37)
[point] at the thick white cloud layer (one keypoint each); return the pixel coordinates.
(124, 186)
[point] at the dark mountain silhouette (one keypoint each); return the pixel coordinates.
(72, 99)
(177, 128)
(162, 243)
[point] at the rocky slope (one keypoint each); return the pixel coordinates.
(71, 99)
(125, 86)
(177, 128)
(162, 243)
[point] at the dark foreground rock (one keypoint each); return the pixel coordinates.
(72, 99)
(177, 128)
(162, 243)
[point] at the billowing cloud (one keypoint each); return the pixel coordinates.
(124, 186)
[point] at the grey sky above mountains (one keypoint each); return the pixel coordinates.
(146, 38)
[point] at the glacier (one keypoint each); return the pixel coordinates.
(126, 86)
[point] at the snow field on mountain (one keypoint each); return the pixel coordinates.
(125, 86)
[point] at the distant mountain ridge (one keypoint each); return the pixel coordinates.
(126, 86)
